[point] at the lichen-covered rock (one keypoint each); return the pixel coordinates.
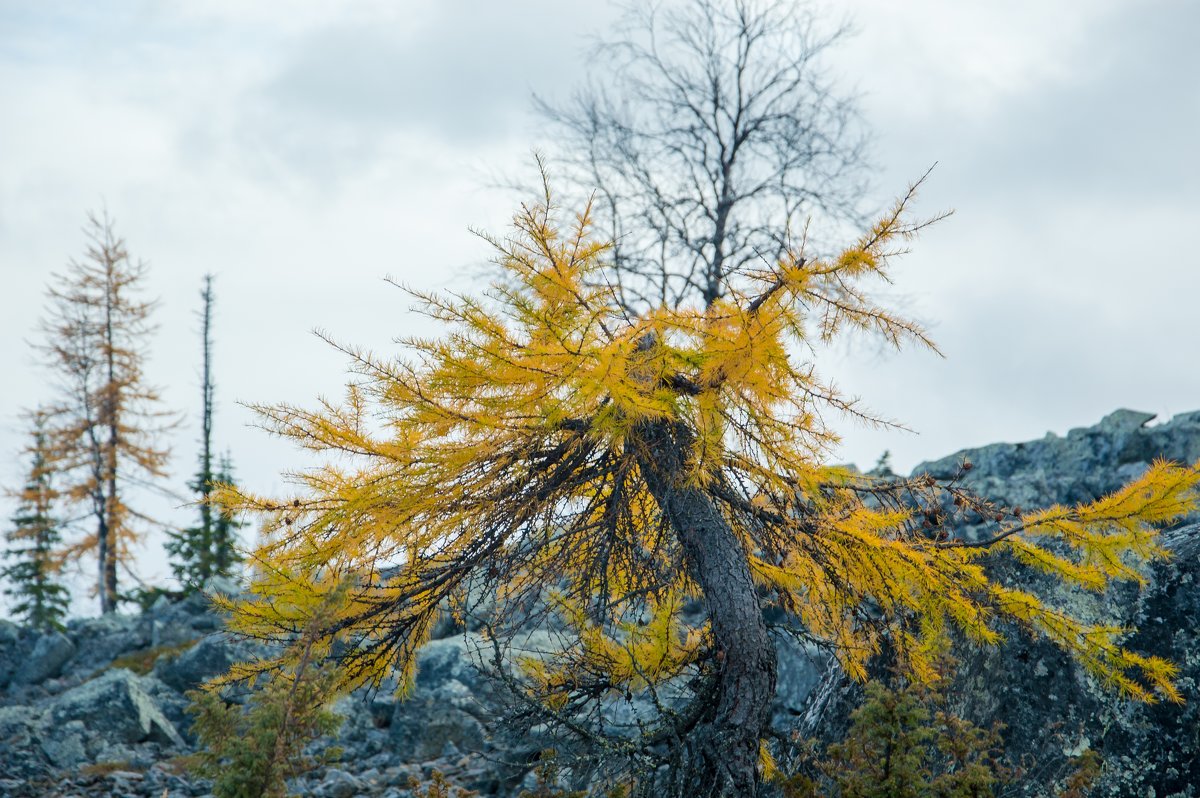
(102, 640)
(49, 655)
(1084, 465)
(1051, 708)
(10, 651)
(210, 657)
(115, 706)
(64, 746)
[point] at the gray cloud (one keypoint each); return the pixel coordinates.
(463, 76)
(1125, 125)
(381, 80)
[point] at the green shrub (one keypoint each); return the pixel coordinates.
(897, 747)
(251, 751)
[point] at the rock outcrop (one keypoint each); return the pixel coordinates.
(99, 708)
(1050, 707)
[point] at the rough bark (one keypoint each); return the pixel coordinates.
(722, 749)
(111, 402)
(205, 480)
(103, 555)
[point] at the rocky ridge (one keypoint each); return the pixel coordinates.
(1051, 709)
(99, 709)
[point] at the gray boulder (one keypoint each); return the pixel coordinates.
(222, 585)
(210, 657)
(450, 659)
(10, 633)
(49, 655)
(800, 670)
(104, 639)
(422, 727)
(447, 703)
(173, 623)
(340, 784)
(115, 707)
(10, 657)
(64, 745)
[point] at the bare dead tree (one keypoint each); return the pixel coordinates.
(711, 133)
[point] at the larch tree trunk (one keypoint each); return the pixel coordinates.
(722, 749)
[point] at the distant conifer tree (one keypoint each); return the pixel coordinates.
(225, 525)
(209, 548)
(33, 542)
(105, 427)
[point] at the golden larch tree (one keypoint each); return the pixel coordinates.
(550, 450)
(106, 421)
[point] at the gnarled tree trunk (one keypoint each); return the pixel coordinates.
(722, 749)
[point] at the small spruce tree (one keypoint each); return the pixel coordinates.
(251, 751)
(897, 747)
(208, 549)
(33, 542)
(225, 526)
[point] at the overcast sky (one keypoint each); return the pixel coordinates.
(302, 151)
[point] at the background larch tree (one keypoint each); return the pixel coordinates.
(210, 548)
(551, 450)
(106, 422)
(712, 134)
(35, 542)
